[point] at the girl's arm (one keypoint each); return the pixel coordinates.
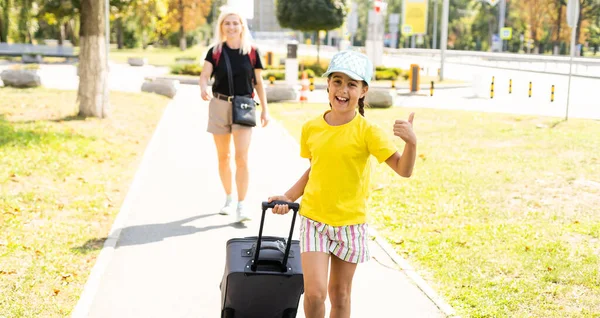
(295, 192)
(403, 164)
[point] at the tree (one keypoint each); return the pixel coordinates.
(187, 15)
(535, 14)
(588, 11)
(25, 26)
(558, 23)
(311, 15)
(5, 7)
(60, 13)
(93, 69)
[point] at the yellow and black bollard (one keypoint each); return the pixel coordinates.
(492, 90)
(271, 79)
(312, 84)
(431, 89)
(393, 83)
(552, 94)
(529, 89)
(510, 86)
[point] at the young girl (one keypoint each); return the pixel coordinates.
(334, 189)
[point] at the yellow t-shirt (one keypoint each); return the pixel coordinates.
(338, 183)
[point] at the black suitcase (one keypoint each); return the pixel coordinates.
(263, 275)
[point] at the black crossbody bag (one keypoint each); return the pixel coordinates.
(243, 108)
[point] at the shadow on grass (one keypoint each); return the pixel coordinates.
(90, 245)
(11, 134)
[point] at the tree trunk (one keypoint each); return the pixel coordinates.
(5, 20)
(2, 37)
(119, 25)
(557, 41)
(182, 42)
(61, 33)
(93, 69)
(578, 31)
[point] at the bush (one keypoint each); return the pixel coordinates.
(280, 75)
(186, 69)
(309, 72)
(385, 75)
(396, 70)
(277, 74)
(273, 67)
(316, 68)
(28, 67)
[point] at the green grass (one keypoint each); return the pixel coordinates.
(159, 56)
(501, 217)
(62, 181)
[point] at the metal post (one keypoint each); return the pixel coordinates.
(501, 15)
(573, 33)
(444, 39)
(435, 14)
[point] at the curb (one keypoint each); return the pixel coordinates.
(413, 276)
(87, 296)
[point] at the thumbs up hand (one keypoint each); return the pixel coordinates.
(404, 130)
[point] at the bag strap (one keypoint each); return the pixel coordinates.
(216, 55)
(229, 73)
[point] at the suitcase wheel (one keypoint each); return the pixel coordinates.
(227, 313)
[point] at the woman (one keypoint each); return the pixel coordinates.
(232, 37)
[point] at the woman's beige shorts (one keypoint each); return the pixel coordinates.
(219, 118)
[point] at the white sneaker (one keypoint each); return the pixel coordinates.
(242, 214)
(227, 208)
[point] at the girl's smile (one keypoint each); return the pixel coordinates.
(344, 92)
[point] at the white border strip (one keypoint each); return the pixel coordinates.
(412, 274)
(86, 299)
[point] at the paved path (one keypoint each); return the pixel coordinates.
(169, 256)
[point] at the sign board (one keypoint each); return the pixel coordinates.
(506, 33)
(572, 12)
(415, 15)
(407, 30)
(492, 2)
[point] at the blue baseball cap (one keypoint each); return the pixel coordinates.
(352, 63)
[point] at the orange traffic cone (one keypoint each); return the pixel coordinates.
(304, 89)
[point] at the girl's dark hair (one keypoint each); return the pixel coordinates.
(361, 106)
(361, 102)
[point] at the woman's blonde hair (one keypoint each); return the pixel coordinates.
(246, 37)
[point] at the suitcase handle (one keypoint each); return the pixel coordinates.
(269, 205)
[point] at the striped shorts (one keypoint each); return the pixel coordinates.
(349, 243)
